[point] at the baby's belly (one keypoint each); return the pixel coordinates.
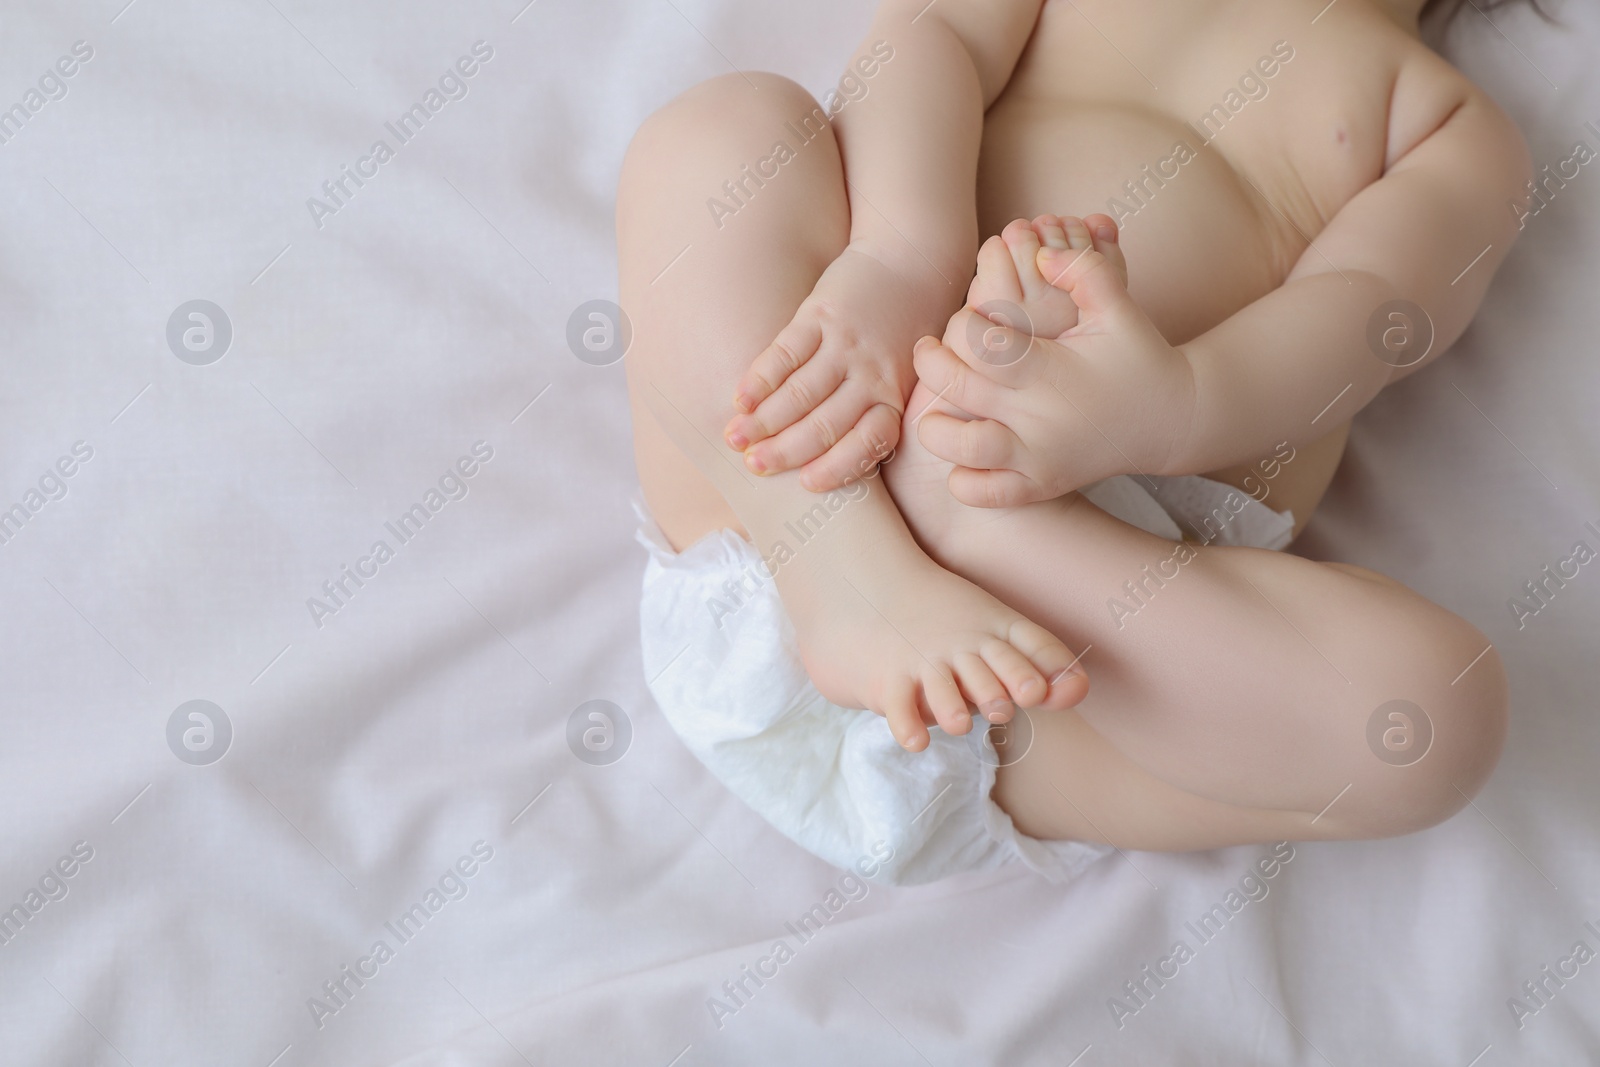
(1198, 243)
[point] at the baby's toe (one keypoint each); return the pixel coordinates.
(996, 277)
(1051, 233)
(982, 688)
(905, 721)
(1107, 241)
(1068, 683)
(1023, 243)
(1023, 681)
(944, 699)
(1067, 690)
(1018, 231)
(1078, 235)
(1048, 313)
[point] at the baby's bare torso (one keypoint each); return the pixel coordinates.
(1221, 135)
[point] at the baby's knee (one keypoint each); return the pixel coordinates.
(1437, 754)
(747, 110)
(746, 94)
(717, 151)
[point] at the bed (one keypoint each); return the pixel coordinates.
(274, 797)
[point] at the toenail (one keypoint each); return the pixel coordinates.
(1106, 232)
(738, 440)
(755, 463)
(997, 710)
(1073, 671)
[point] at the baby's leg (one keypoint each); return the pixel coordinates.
(1232, 701)
(879, 625)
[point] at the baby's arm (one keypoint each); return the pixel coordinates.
(835, 381)
(1298, 362)
(1112, 396)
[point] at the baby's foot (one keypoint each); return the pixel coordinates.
(896, 632)
(893, 631)
(1009, 289)
(1014, 414)
(919, 481)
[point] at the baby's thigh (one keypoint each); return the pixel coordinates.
(1068, 783)
(713, 260)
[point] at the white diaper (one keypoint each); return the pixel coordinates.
(720, 655)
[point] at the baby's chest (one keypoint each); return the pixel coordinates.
(1294, 107)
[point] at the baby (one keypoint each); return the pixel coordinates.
(1285, 207)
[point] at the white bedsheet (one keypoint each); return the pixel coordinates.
(375, 746)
